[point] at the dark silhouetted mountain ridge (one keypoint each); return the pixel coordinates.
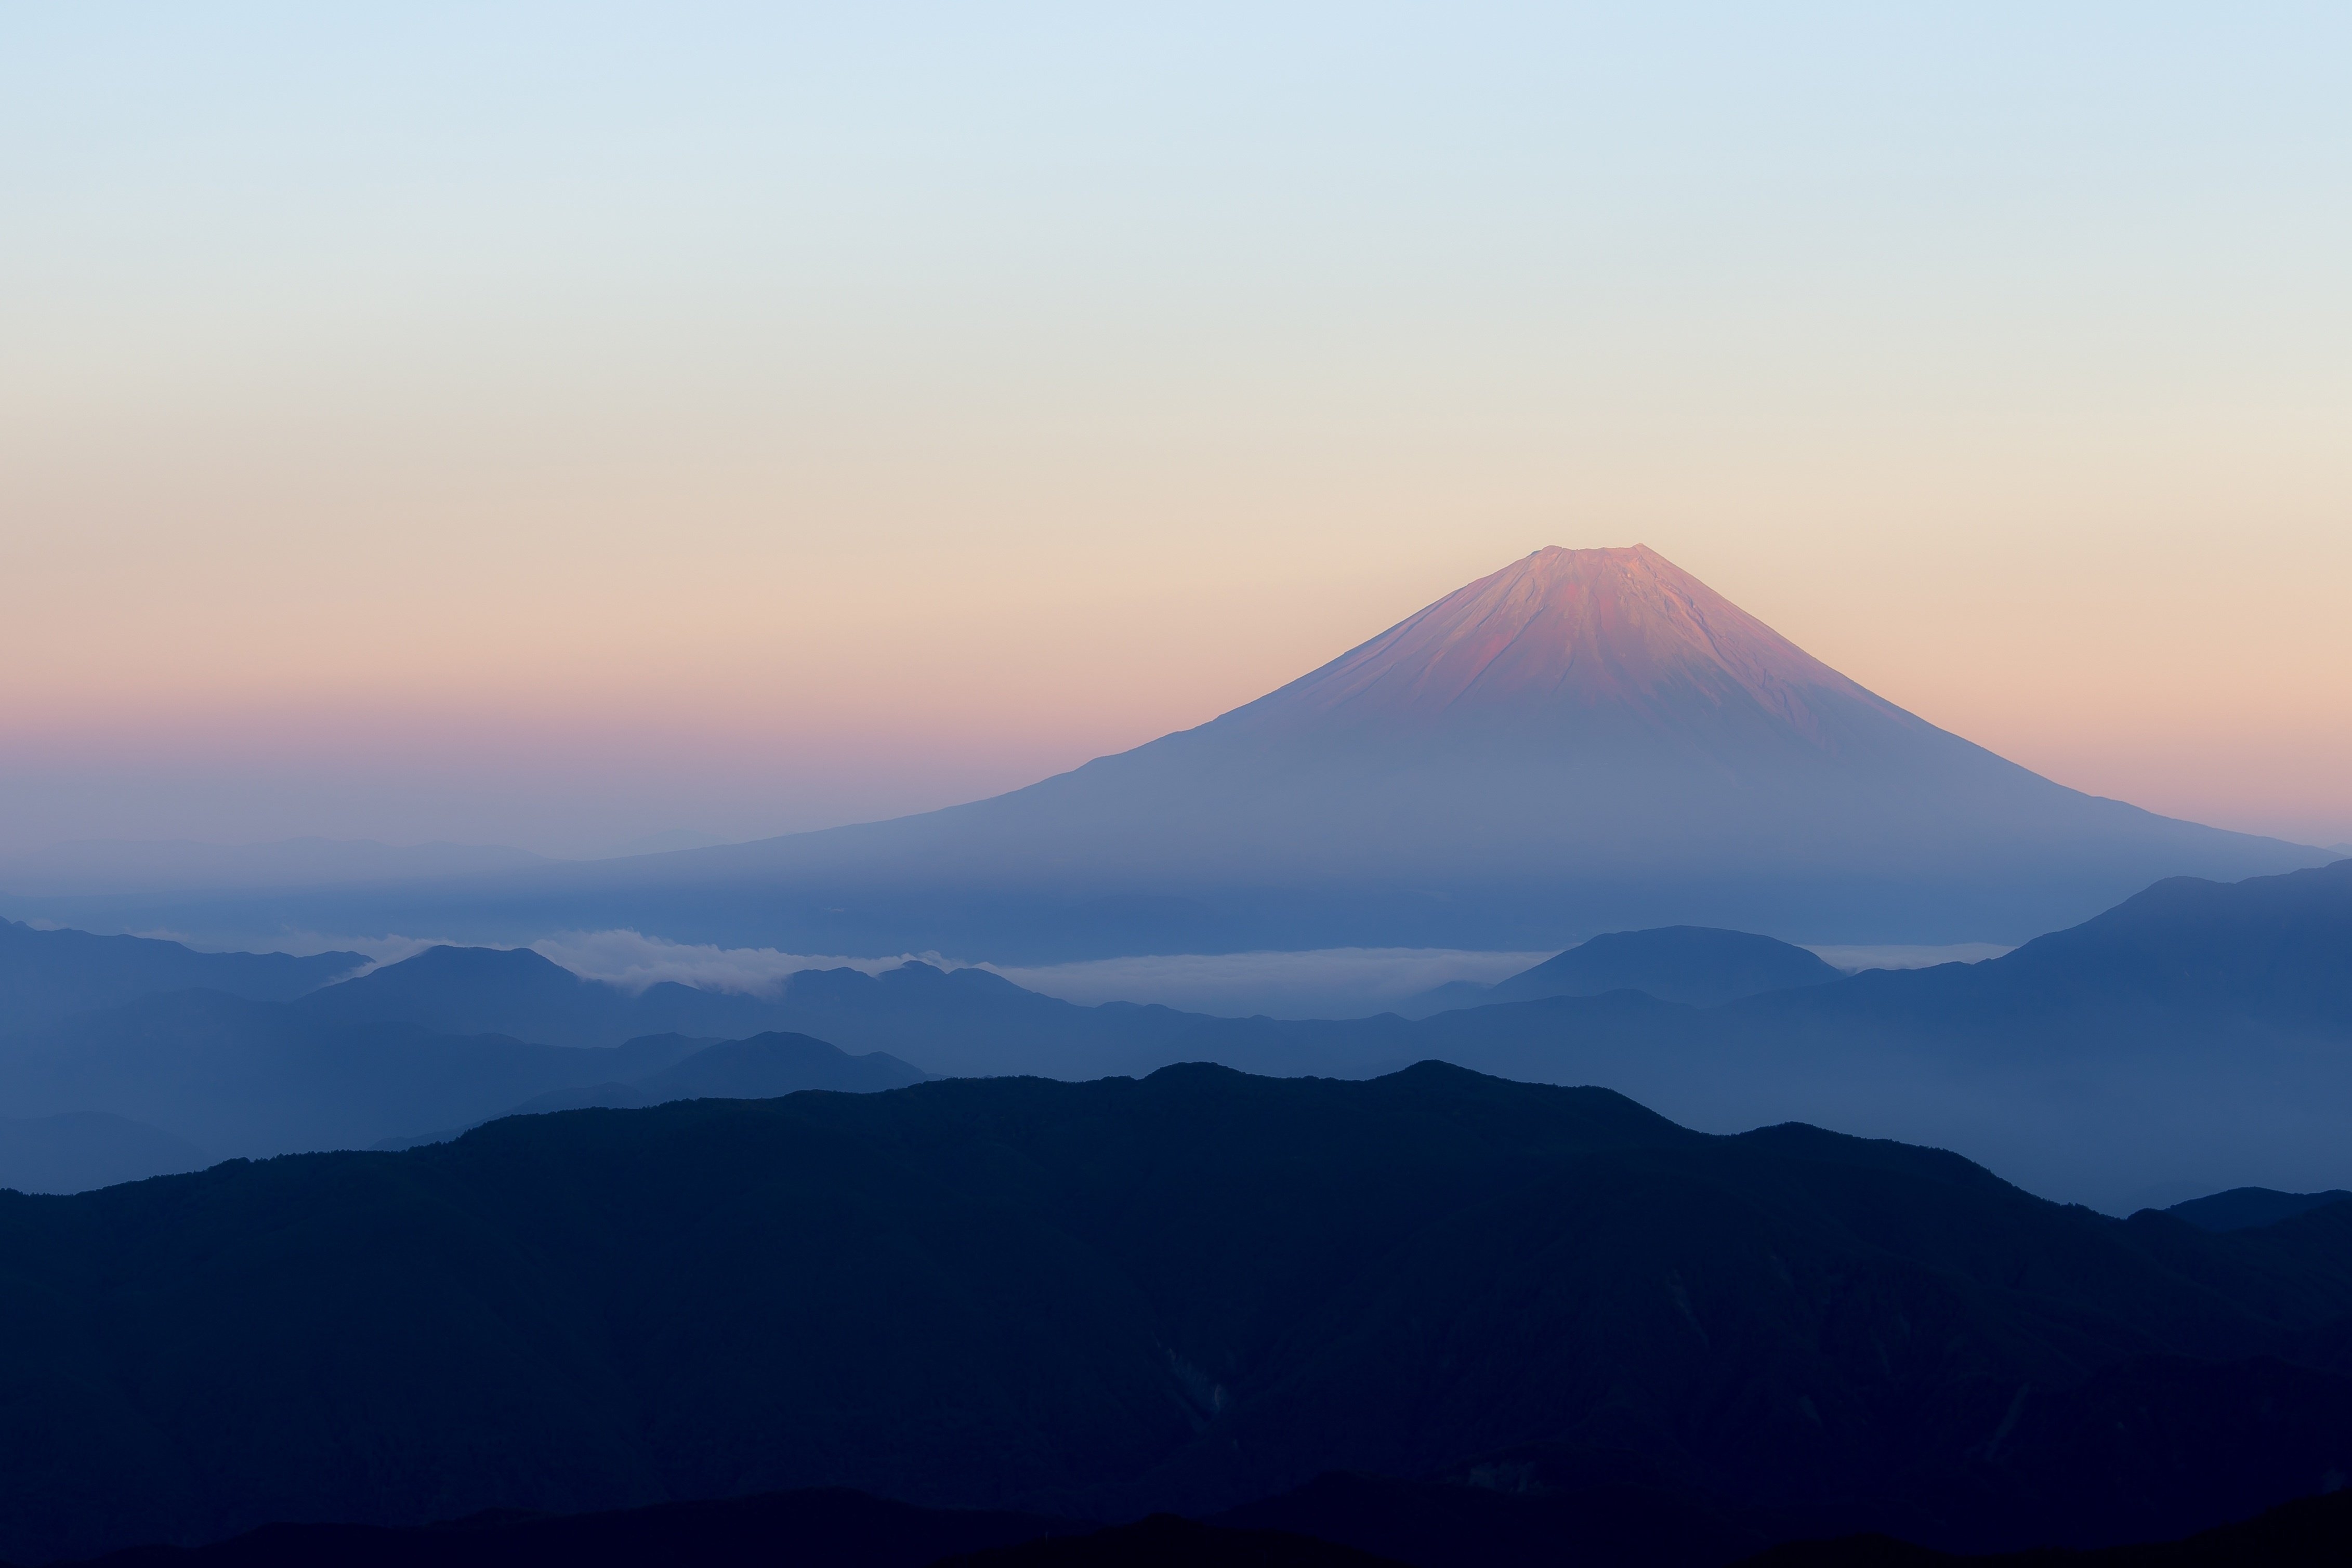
(2246, 1208)
(813, 1528)
(2310, 1533)
(1166, 1540)
(1185, 1292)
(2189, 1041)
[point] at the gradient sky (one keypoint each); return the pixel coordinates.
(553, 424)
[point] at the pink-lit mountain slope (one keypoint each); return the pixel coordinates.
(1587, 740)
(1553, 640)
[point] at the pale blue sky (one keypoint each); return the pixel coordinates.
(558, 423)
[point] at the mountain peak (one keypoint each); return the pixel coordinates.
(1569, 629)
(1585, 740)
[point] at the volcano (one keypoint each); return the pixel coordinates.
(1587, 740)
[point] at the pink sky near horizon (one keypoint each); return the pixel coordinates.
(553, 431)
(883, 722)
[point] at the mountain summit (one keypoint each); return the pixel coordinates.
(1561, 632)
(1585, 741)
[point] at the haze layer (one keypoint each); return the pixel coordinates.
(1585, 740)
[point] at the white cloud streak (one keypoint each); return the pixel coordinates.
(633, 961)
(1330, 982)
(1853, 959)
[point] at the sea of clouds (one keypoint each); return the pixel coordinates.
(1328, 983)
(1335, 982)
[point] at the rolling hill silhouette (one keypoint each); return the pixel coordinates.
(49, 975)
(181, 1078)
(2195, 1038)
(762, 1068)
(516, 992)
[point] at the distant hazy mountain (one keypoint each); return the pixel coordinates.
(2197, 1037)
(114, 1069)
(235, 1077)
(171, 1077)
(666, 841)
(1587, 740)
(1675, 964)
(767, 1065)
(1186, 1293)
(172, 1083)
(971, 1022)
(964, 1021)
(49, 975)
(516, 992)
(95, 866)
(759, 1068)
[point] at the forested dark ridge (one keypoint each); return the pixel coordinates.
(1184, 1292)
(2309, 1533)
(822, 1528)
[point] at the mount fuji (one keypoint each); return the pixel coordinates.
(1587, 740)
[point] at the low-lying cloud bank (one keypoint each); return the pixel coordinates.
(629, 959)
(1333, 983)
(634, 960)
(1330, 982)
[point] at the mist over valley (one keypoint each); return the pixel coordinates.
(1060, 786)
